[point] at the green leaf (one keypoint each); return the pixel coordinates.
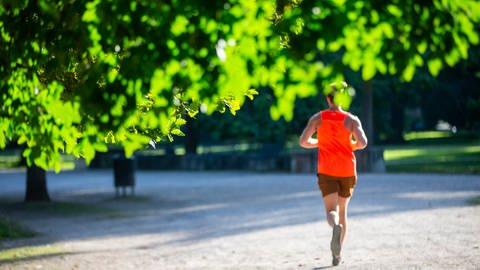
(177, 132)
(117, 109)
(134, 142)
(3, 131)
(434, 66)
(368, 70)
(90, 14)
(422, 47)
(192, 113)
(418, 60)
(274, 113)
(100, 147)
(452, 58)
(343, 99)
(408, 72)
(381, 66)
(339, 2)
(179, 26)
(251, 93)
(22, 139)
(394, 10)
(233, 105)
(87, 151)
(180, 122)
(41, 162)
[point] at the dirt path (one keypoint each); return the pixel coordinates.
(237, 220)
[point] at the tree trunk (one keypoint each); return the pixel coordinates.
(367, 111)
(191, 138)
(36, 185)
(371, 158)
(398, 121)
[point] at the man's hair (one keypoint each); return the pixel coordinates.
(335, 87)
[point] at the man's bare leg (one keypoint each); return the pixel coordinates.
(343, 209)
(331, 208)
(332, 212)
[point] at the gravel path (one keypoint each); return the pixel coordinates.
(242, 220)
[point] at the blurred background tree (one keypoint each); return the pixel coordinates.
(407, 52)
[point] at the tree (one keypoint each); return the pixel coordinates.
(453, 95)
(77, 75)
(386, 37)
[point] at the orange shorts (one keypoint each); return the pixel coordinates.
(331, 184)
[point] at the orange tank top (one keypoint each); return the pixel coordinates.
(335, 153)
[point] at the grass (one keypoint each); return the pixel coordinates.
(8, 162)
(30, 252)
(475, 201)
(10, 159)
(433, 158)
(429, 135)
(10, 229)
(433, 153)
(66, 209)
(206, 148)
(133, 199)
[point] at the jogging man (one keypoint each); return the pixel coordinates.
(338, 134)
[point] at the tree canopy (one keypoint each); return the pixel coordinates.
(78, 75)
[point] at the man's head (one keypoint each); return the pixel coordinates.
(334, 88)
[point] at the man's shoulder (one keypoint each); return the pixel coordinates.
(352, 120)
(352, 117)
(316, 117)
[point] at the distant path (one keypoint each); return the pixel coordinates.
(242, 220)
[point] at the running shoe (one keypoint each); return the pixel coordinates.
(336, 260)
(335, 245)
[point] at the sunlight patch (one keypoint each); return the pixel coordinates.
(438, 195)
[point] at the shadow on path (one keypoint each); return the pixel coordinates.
(206, 205)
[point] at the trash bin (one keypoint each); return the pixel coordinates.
(124, 174)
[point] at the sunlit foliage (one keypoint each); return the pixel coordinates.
(77, 75)
(387, 37)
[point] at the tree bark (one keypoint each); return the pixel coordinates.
(191, 137)
(367, 111)
(36, 189)
(398, 119)
(371, 158)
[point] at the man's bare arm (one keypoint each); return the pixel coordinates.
(361, 140)
(306, 140)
